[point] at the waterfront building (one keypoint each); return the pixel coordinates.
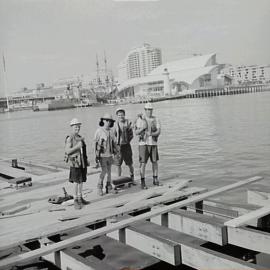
(249, 74)
(176, 77)
(139, 62)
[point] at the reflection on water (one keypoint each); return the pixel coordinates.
(207, 140)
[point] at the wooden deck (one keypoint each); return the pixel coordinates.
(175, 224)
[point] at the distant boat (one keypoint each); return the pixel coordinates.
(56, 104)
(84, 103)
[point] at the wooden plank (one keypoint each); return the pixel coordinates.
(73, 261)
(202, 258)
(12, 172)
(258, 197)
(112, 227)
(110, 252)
(159, 248)
(178, 186)
(98, 254)
(227, 210)
(242, 220)
(210, 229)
(191, 252)
(167, 189)
(46, 225)
(249, 238)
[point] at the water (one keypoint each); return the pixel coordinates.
(211, 141)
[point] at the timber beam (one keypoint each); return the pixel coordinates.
(112, 227)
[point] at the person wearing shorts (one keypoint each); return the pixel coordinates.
(148, 128)
(76, 157)
(124, 135)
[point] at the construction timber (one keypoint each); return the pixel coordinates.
(174, 226)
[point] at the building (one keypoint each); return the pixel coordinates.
(249, 74)
(139, 62)
(176, 77)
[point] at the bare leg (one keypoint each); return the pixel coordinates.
(77, 205)
(155, 174)
(76, 190)
(142, 170)
(109, 173)
(101, 178)
(155, 168)
(131, 170)
(80, 185)
(102, 175)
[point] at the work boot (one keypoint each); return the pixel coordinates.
(156, 182)
(99, 190)
(77, 204)
(83, 201)
(132, 180)
(109, 187)
(143, 185)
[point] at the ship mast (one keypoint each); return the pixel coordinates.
(106, 70)
(5, 82)
(98, 75)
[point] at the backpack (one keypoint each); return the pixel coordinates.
(76, 160)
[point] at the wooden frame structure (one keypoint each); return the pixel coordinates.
(175, 236)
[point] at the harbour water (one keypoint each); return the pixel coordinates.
(211, 141)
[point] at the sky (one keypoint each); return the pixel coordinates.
(45, 40)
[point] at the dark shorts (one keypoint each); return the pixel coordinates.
(124, 155)
(106, 162)
(77, 175)
(146, 151)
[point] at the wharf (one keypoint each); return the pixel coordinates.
(171, 225)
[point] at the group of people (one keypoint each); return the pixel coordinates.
(112, 146)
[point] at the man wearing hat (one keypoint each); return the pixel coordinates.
(148, 128)
(124, 135)
(76, 157)
(105, 149)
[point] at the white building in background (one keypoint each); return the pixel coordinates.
(249, 74)
(139, 62)
(172, 78)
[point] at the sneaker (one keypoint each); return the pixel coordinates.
(77, 204)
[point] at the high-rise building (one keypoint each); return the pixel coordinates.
(139, 62)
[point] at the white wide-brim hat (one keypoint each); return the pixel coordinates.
(148, 106)
(119, 110)
(74, 121)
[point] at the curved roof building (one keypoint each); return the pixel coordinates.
(173, 77)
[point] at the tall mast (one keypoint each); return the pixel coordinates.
(106, 69)
(5, 82)
(98, 76)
